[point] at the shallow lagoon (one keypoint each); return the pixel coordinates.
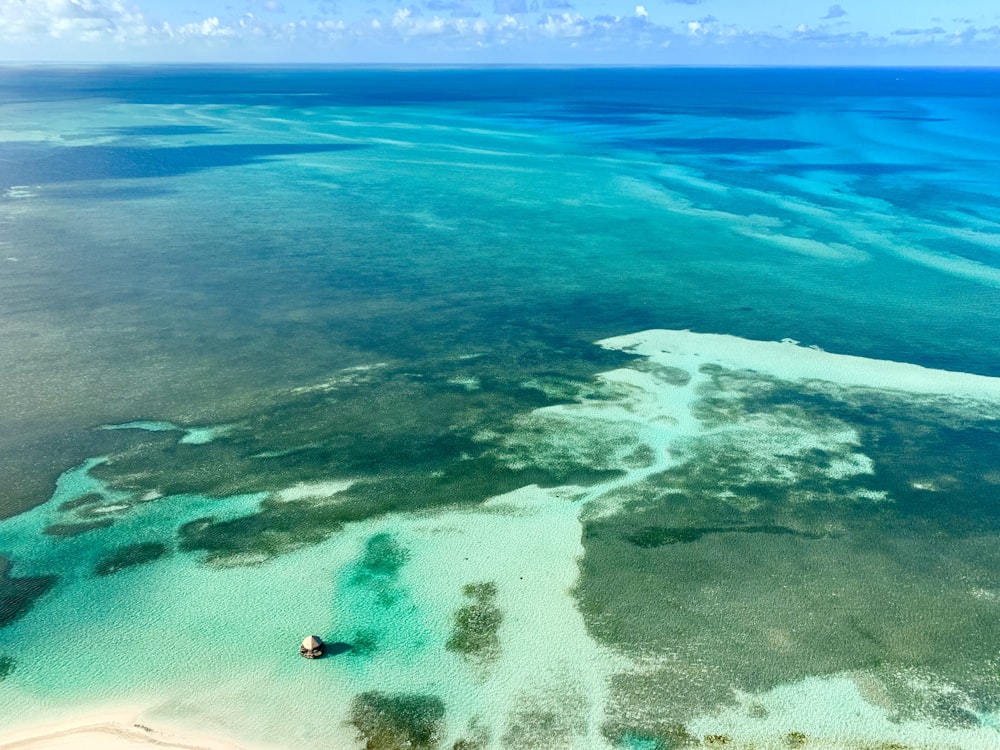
(352, 334)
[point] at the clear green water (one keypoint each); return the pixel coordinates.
(344, 326)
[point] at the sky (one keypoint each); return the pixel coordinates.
(601, 32)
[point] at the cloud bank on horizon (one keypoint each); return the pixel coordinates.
(693, 32)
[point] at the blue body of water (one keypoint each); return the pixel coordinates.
(352, 316)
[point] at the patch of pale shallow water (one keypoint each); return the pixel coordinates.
(142, 424)
(124, 520)
(203, 435)
(215, 649)
(20, 192)
(603, 428)
(834, 251)
(549, 684)
(313, 490)
(664, 410)
(806, 228)
(787, 360)
(545, 683)
(191, 436)
(349, 376)
(832, 713)
(468, 383)
(109, 508)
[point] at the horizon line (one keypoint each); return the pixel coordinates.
(483, 66)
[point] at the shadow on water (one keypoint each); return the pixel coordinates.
(338, 648)
(32, 164)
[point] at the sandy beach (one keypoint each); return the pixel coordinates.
(110, 730)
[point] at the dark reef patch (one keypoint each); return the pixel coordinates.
(752, 578)
(476, 628)
(550, 720)
(415, 443)
(277, 528)
(91, 498)
(396, 721)
(379, 566)
(73, 529)
(649, 537)
(130, 556)
(377, 570)
(364, 643)
(17, 595)
(671, 375)
(477, 738)
(384, 557)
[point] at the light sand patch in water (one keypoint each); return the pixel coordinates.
(789, 361)
(313, 490)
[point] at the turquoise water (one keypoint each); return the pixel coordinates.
(290, 351)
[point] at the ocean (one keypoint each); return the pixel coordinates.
(573, 408)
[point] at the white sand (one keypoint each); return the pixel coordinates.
(109, 730)
(528, 542)
(313, 490)
(789, 361)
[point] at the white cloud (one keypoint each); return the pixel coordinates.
(118, 28)
(331, 26)
(410, 25)
(507, 23)
(565, 25)
(77, 20)
(208, 27)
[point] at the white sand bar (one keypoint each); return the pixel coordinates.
(789, 361)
